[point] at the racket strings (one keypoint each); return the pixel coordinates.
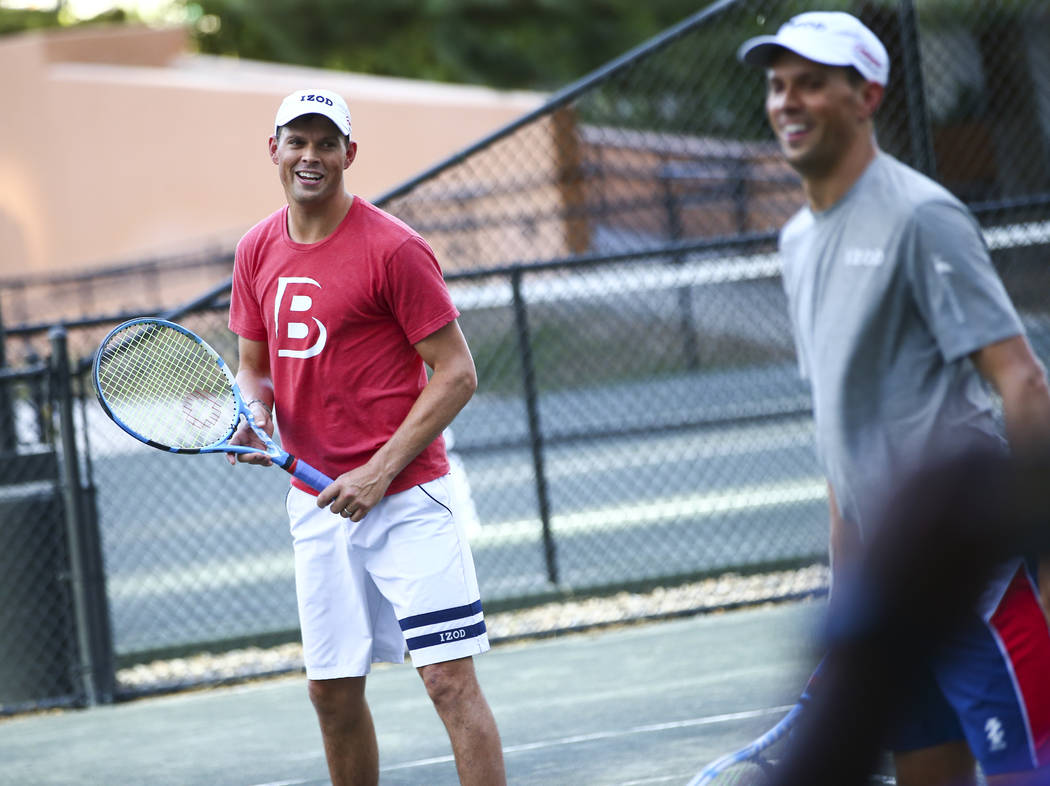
(167, 387)
(745, 773)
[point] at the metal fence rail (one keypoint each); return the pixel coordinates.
(639, 418)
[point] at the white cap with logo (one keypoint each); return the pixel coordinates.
(309, 102)
(829, 37)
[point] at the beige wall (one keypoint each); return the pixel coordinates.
(117, 145)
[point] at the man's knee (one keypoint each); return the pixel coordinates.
(339, 698)
(449, 683)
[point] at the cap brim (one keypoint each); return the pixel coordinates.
(284, 118)
(760, 50)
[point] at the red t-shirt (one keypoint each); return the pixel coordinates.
(340, 318)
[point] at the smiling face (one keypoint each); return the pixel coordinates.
(818, 113)
(311, 156)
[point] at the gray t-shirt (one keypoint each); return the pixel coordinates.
(890, 290)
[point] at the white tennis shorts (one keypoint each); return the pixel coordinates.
(402, 576)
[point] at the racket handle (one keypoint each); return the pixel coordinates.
(315, 479)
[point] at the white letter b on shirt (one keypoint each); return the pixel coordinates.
(295, 329)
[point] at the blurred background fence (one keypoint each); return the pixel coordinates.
(639, 419)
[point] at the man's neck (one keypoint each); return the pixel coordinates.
(308, 225)
(825, 191)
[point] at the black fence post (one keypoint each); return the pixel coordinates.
(668, 174)
(740, 178)
(920, 131)
(87, 576)
(532, 408)
(8, 438)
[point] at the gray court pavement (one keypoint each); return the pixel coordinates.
(639, 704)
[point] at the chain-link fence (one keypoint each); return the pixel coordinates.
(36, 628)
(55, 643)
(129, 289)
(639, 418)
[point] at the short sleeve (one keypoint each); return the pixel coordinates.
(796, 334)
(245, 313)
(956, 287)
(416, 290)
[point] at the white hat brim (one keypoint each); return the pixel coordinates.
(761, 50)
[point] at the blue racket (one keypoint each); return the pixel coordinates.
(750, 765)
(166, 387)
(753, 765)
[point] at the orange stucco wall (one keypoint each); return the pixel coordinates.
(117, 144)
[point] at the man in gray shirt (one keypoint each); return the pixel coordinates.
(901, 324)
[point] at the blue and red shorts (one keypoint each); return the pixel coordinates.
(990, 685)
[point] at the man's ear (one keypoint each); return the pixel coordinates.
(273, 149)
(351, 154)
(871, 98)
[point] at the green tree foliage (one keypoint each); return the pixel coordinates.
(537, 44)
(16, 20)
(19, 20)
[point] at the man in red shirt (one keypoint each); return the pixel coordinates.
(339, 307)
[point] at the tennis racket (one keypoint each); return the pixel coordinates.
(164, 385)
(753, 765)
(750, 765)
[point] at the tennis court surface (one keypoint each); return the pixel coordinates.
(641, 704)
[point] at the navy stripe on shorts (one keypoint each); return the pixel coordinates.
(454, 624)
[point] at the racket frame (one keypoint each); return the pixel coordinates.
(751, 751)
(282, 458)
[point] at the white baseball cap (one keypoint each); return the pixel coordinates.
(829, 37)
(311, 102)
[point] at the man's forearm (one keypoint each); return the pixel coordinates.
(437, 406)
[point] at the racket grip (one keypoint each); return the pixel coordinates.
(315, 479)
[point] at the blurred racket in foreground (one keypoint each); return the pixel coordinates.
(166, 387)
(752, 765)
(755, 763)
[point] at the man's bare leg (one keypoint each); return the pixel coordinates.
(453, 687)
(950, 764)
(346, 727)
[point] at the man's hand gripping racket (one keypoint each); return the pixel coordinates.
(165, 386)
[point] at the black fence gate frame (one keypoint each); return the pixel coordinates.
(82, 673)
